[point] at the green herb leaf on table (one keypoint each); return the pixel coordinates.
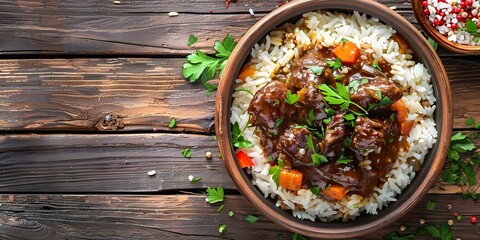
(431, 205)
(214, 195)
(394, 236)
(470, 121)
(433, 43)
(172, 123)
(296, 236)
(251, 219)
(220, 208)
(200, 66)
(291, 98)
(231, 213)
(191, 40)
(222, 228)
(187, 153)
(194, 179)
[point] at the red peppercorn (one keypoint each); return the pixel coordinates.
(473, 219)
(455, 214)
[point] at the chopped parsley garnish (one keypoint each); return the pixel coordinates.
(310, 143)
(214, 195)
(349, 117)
(222, 228)
(433, 43)
(278, 122)
(172, 123)
(196, 179)
(296, 236)
(291, 98)
(339, 77)
(364, 80)
(376, 66)
(317, 158)
(187, 153)
(327, 120)
(275, 172)
(330, 112)
(191, 39)
(315, 190)
(231, 213)
(251, 219)
(431, 205)
(316, 70)
(237, 138)
(343, 40)
(471, 27)
(343, 161)
(339, 96)
(311, 117)
(201, 66)
(335, 64)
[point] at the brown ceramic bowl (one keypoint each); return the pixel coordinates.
(424, 179)
(435, 35)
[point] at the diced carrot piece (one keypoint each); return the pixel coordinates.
(348, 52)
(301, 93)
(247, 71)
(335, 192)
(244, 160)
(406, 127)
(402, 112)
(291, 179)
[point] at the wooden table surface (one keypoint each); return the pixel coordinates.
(64, 174)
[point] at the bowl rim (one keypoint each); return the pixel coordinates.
(224, 100)
(435, 35)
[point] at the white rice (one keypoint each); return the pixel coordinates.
(328, 29)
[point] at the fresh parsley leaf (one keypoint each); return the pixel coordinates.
(172, 123)
(220, 208)
(291, 98)
(214, 195)
(278, 122)
(343, 40)
(187, 153)
(349, 117)
(318, 159)
(376, 66)
(231, 213)
(275, 172)
(222, 228)
(200, 66)
(433, 43)
(251, 219)
(310, 143)
(343, 161)
(296, 236)
(315, 190)
(280, 164)
(354, 85)
(431, 205)
(339, 96)
(191, 40)
(316, 70)
(364, 80)
(471, 27)
(196, 179)
(335, 64)
(394, 236)
(339, 77)
(311, 116)
(385, 101)
(237, 138)
(327, 120)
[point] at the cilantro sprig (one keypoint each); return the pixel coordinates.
(215, 195)
(237, 138)
(317, 158)
(471, 27)
(275, 172)
(339, 96)
(460, 172)
(204, 67)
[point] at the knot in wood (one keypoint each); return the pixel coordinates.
(110, 122)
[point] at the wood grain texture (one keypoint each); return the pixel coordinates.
(130, 28)
(179, 216)
(145, 93)
(108, 163)
(77, 94)
(99, 163)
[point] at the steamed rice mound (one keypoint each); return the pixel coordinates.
(286, 44)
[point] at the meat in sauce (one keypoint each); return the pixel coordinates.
(345, 136)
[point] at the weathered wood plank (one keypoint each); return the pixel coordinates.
(179, 216)
(99, 163)
(130, 28)
(77, 94)
(108, 163)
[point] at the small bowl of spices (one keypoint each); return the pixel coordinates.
(454, 24)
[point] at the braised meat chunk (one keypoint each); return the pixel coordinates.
(370, 94)
(336, 134)
(369, 134)
(303, 75)
(292, 147)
